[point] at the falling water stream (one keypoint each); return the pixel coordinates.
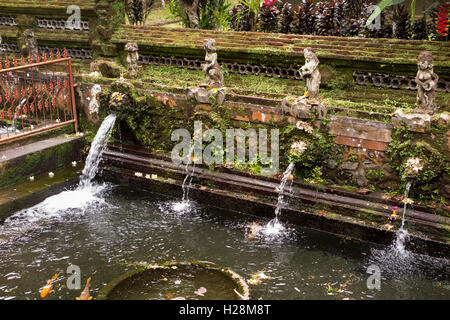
(184, 205)
(402, 232)
(189, 174)
(274, 226)
(70, 201)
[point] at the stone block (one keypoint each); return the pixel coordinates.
(361, 129)
(417, 122)
(361, 143)
(348, 165)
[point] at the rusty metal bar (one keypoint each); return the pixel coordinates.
(72, 93)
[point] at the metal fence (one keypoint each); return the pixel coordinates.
(36, 95)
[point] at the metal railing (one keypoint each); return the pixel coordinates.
(36, 95)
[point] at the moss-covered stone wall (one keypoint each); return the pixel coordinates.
(350, 153)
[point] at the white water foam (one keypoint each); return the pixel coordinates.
(274, 227)
(74, 201)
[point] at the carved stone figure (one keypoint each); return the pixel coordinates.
(132, 59)
(214, 75)
(310, 73)
(427, 82)
(30, 42)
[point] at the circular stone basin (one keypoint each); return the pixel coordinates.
(177, 280)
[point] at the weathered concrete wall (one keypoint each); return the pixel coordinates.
(18, 163)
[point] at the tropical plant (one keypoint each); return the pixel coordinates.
(202, 14)
(419, 29)
(354, 8)
(400, 19)
(137, 11)
(250, 9)
(305, 18)
(268, 17)
(241, 18)
(286, 18)
(387, 3)
(222, 15)
(324, 18)
(440, 18)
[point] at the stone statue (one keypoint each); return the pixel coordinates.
(427, 82)
(310, 73)
(214, 76)
(30, 42)
(132, 59)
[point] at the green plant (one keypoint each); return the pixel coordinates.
(201, 14)
(375, 175)
(305, 18)
(402, 28)
(241, 18)
(222, 15)
(268, 18)
(137, 11)
(315, 176)
(250, 9)
(286, 18)
(406, 145)
(382, 5)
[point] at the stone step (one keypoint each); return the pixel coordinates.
(21, 161)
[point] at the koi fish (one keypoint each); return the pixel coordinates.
(85, 295)
(253, 230)
(48, 287)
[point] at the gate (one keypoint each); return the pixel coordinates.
(36, 95)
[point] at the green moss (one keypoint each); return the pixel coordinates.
(375, 175)
(430, 149)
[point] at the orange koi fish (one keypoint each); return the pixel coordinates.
(85, 295)
(253, 230)
(48, 287)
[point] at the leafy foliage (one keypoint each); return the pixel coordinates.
(419, 30)
(305, 18)
(286, 18)
(268, 18)
(202, 14)
(324, 18)
(242, 18)
(402, 28)
(137, 11)
(405, 145)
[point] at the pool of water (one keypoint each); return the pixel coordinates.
(104, 229)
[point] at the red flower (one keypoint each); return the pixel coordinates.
(442, 19)
(269, 3)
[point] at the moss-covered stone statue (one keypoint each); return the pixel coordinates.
(214, 75)
(310, 72)
(302, 107)
(30, 42)
(427, 82)
(419, 120)
(214, 90)
(132, 59)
